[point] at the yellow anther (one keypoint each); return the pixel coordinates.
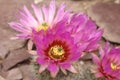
(56, 52)
(43, 26)
(113, 66)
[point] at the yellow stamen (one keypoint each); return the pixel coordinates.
(56, 52)
(113, 66)
(43, 26)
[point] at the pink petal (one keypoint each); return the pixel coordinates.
(45, 12)
(18, 27)
(101, 52)
(26, 20)
(54, 69)
(54, 74)
(63, 70)
(98, 75)
(41, 61)
(30, 45)
(14, 38)
(107, 47)
(32, 52)
(99, 33)
(30, 16)
(92, 46)
(23, 36)
(38, 13)
(52, 9)
(72, 69)
(60, 13)
(65, 65)
(42, 68)
(95, 59)
(26, 24)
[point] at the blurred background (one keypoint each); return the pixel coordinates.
(16, 63)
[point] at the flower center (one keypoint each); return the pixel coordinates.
(113, 66)
(43, 26)
(56, 52)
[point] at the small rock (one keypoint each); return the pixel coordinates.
(117, 1)
(3, 51)
(14, 74)
(28, 72)
(6, 44)
(7, 14)
(15, 57)
(3, 73)
(1, 78)
(1, 60)
(107, 17)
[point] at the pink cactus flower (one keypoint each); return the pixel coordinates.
(108, 65)
(85, 32)
(45, 17)
(56, 49)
